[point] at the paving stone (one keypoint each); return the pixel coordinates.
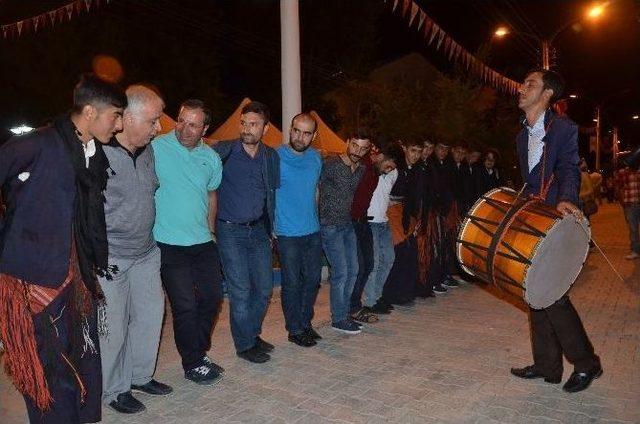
(444, 360)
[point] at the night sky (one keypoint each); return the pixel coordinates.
(222, 51)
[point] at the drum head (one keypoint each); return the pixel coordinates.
(557, 262)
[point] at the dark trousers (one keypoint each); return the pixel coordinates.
(401, 283)
(193, 282)
(365, 263)
(558, 330)
(300, 260)
(67, 407)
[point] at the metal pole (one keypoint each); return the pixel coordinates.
(598, 128)
(616, 147)
(545, 55)
(290, 63)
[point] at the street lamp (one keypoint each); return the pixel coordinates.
(592, 13)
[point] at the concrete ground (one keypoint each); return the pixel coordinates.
(444, 360)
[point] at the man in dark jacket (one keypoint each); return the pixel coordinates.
(246, 210)
(548, 147)
(53, 242)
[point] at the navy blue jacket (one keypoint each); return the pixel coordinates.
(38, 187)
(561, 149)
(271, 172)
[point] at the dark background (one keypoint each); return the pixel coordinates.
(222, 51)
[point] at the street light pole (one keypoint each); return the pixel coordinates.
(598, 127)
(290, 68)
(546, 61)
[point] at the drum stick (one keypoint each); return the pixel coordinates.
(581, 222)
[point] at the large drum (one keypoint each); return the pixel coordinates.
(523, 246)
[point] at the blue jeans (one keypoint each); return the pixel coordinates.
(340, 248)
(632, 215)
(383, 257)
(300, 260)
(245, 253)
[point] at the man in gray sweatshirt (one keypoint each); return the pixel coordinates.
(134, 297)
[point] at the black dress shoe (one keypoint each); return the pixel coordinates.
(263, 346)
(153, 387)
(530, 372)
(125, 403)
(302, 340)
(313, 334)
(254, 355)
(581, 380)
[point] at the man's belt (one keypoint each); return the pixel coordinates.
(245, 224)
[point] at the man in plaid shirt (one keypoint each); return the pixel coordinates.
(628, 191)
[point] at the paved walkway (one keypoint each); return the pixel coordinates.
(444, 360)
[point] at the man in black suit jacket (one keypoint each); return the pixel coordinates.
(548, 144)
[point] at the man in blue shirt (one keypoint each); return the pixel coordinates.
(189, 173)
(298, 229)
(246, 210)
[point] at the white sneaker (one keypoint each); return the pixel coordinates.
(631, 256)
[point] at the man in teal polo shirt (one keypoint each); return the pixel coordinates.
(189, 173)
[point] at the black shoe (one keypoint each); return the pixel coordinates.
(125, 403)
(254, 355)
(439, 289)
(380, 309)
(208, 362)
(581, 380)
(385, 304)
(203, 375)
(530, 372)
(153, 387)
(263, 346)
(311, 333)
(302, 340)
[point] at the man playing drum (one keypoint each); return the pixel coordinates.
(548, 153)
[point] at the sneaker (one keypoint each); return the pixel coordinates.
(203, 375)
(208, 362)
(365, 315)
(450, 283)
(265, 347)
(125, 403)
(356, 323)
(346, 327)
(153, 387)
(311, 333)
(439, 289)
(633, 255)
(255, 355)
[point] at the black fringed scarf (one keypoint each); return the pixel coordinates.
(90, 230)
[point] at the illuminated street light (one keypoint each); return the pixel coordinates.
(596, 11)
(636, 117)
(573, 96)
(595, 119)
(21, 129)
(501, 32)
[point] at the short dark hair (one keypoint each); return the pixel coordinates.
(198, 104)
(308, 116)
(408, 142)
(360, 133)
(258, 108)
(91, 90)
(551, 80)
(390, 150)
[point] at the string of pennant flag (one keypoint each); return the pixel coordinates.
(52, 17)
(435, 36)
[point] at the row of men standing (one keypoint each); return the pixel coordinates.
(169, 215)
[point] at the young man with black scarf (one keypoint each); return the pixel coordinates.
(53, 244)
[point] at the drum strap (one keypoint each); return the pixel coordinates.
(545, 185)
(498, 236)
